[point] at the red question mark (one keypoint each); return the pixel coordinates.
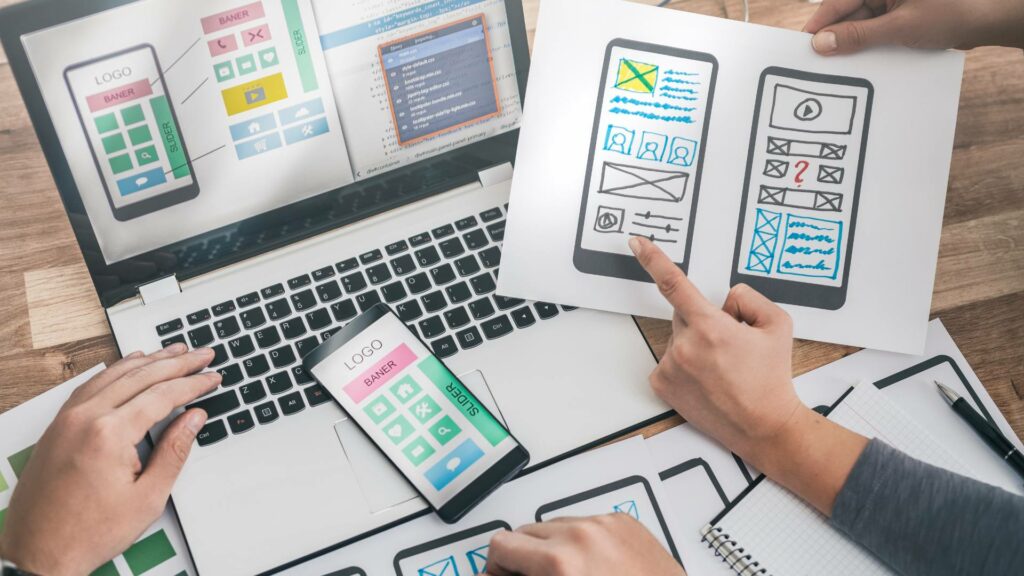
(802, 167)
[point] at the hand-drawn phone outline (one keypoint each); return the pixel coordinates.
(781, 290)
(606, 489)
(619, 265)
(163, 200)
(492, 526)
(673, 471)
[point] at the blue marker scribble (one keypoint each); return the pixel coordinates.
(680, 81)
(811, 247)
(809, 225)
(807, 250)
(651, 116)
(819, 265)
(681, 73)
(675, 90)
(635, 102)
(828, 239)
(677, 97)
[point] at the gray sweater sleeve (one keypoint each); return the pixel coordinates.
(920, 519)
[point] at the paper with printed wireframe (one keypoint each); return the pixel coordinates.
(744, 156)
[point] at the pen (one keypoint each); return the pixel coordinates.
(988, 432)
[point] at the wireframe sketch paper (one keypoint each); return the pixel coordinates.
(744, 156)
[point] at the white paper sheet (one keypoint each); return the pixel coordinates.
(644, 160)
(160, 551)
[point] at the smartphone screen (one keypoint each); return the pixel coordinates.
(134, 135)
(431, 427)
(802, 187)
(646, 156)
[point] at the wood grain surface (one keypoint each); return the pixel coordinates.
(54, 328)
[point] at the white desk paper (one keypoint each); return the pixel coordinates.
(745, 156)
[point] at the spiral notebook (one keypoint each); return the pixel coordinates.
(769, 531)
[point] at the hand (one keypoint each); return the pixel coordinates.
(844, 26)
(84, 496)
(611, 544)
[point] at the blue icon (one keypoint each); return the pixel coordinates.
(652, 146)
(251, 148)
(682, 151)
(478, 559)
(627, 507)
(301, 112)
(252, 128)
(444, 567)
(453, 464)
(619, 139)
(141, 181)
(306, 130)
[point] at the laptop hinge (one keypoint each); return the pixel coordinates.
(157, 290)
(495, 174)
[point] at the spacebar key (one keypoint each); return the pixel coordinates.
(217, 405)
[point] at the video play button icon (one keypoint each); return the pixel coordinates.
(808, 109)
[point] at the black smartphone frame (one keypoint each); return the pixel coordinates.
(780, 290)
(469, 497)
(620, 265)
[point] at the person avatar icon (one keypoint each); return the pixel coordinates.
(652, 147)
(619, 140)
(682, 151)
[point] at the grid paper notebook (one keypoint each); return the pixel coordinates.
(769, 531)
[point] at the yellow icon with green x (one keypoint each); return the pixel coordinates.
(636, 76)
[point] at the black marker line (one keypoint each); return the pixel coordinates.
(654, 238)
(190, 94)
(648, 215)
(667, 228)
(187, 50)
(196, 159)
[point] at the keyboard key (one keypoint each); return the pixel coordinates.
(299, 282)
(491, 257)
(409, 311)
(452, 248)
(469, 338)
(396, 247)
(316, 395)
(248, 299)
(291, 403)
(300, 375)
(220, 355)
(419, 239)
(303, 300)
(266, 413)
(431, 327)
(293, 328)
(496, 327)
(458, 293)
(489, 215)
(224, 308)
(353, 282)
(569, 308)
(271, 291)
(371, 256)
(442, 275)
(328, 291)
(318, 319)
(256, 366)
(367, 300)
(279, 382)
(267, 337)
(252, 318)
(393, 292)
(442, 231)
(481, 308)
(506, 303)
(218, 404)
(497, 231)
(434, 301)
(198, 316)
(328, 333)
(378, 274)
(545, 310)
(418, 283)
(227, 327)
(475, 239)
(467, 265)
(457, 317)
(252, 392)
(306, 345)
(241, 422)
(482, 284)
(241, 346)
(466, 223)
(323, 273)
(168, 327)
(444, 347)
(282, 356)
(347, 265)
(523, 317)
(278, 309)
(200, 336)
(230, 375)
(428, 256)
(343, 310)
(212, 433)
(173, 340)
(403, 265)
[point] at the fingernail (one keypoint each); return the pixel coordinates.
(136, 354)
(824, 42)
(176, 348)
(635, 245)
(215, 377)
(203, 351)
(194, 420)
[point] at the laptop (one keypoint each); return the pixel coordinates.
(250, 175)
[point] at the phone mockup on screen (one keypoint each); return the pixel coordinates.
(646, 156)
(133, 132)
(798, 215)
(433, 429)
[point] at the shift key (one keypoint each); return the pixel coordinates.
(217, 405)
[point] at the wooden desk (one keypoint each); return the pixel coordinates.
(54, 328)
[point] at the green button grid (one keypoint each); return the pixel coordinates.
(132, 115)
(107, 569)
(121, 163)
(405, 389)
(470, 407)
(300, 45)
(224, 71)
(146, 155)
(19, 459)
(106, 123)
(398, 430)
(113, 143)
(246, 64)
(439, 433)
(425, 409)
(418, 451)
(140, 135)
(379, 410)
(149, 553)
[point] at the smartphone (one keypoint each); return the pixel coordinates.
(646, 156)
(798, 215)
(428, 424)
(134, 135)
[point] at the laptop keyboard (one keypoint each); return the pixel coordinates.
(440, 282)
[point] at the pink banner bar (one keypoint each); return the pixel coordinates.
(381, 372)
(119, 95)
(232, 17)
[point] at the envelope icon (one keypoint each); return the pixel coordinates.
(766, 237)
(776, 168)
(627, 507)
(830, 174)
(833, 151)
(443, 567)
(643, 183)
(828, 201)
(478, 559)
(779, 146)
(772, 195)
(636, 76)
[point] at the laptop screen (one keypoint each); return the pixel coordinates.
(179, 118)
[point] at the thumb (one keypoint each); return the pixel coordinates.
(172, 451)
(855, 35)
(751, 307)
